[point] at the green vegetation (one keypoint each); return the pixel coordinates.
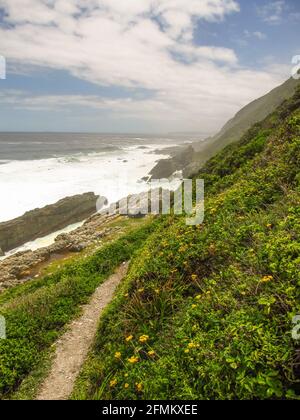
(206, 311)
(37, 311)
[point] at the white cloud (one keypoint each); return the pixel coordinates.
(256, 34)
(259, 35)
(272, 12)
(133, 43)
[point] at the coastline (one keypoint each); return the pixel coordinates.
(37, 183)
(44, 238)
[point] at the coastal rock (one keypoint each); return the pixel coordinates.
(41, 222)
(77, 247)
(24, 265)
(166, 167)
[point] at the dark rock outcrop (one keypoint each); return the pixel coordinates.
(166, 167)
(41, 222)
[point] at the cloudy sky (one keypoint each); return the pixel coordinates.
(140, 65)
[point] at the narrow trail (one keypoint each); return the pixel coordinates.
(73, 346)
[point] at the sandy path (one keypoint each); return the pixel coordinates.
(73, 346)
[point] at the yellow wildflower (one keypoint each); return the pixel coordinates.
(129, 338)
(139, 386)
(157, 291)
(118, 355)
(144, 338)
(212, 248)
(194, 276)
(186, 350)
(198, 297)
(151, 353)
(126, 385)
(194, 306)
(133, 359)
(141, 290)
(269, 225)
(113, 383)
(192, 345)
(266, 279)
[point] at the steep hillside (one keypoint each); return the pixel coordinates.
(232, 131)
(254, 112)
(206, 311)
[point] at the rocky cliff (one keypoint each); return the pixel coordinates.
(166, 167)
(43, 221)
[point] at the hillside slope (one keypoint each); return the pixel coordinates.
(232, 131)
(206, 311)
(254, 112)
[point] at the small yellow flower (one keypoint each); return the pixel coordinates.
(194, 306)
(129, 338)
(266, 279)
(144, 338)
(186, 350)
(151, 353)
(198, 297)
(113, 383)
(192, 345)
(194, 276)
(269, 225)
(141, 290)
(157, 291)
(118, 355)
(133, 359)
(126, 294)
(212, 248)
(126, 385)
(139, 386)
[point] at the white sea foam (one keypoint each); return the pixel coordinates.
(26, 185)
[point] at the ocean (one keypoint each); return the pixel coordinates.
(37, 169)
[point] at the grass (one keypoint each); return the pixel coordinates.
(206, 312)
(37, 312)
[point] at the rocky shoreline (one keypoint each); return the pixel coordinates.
(180, 158)
(41, 222)
(23, 266)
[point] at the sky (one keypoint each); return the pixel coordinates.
(140, 66)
